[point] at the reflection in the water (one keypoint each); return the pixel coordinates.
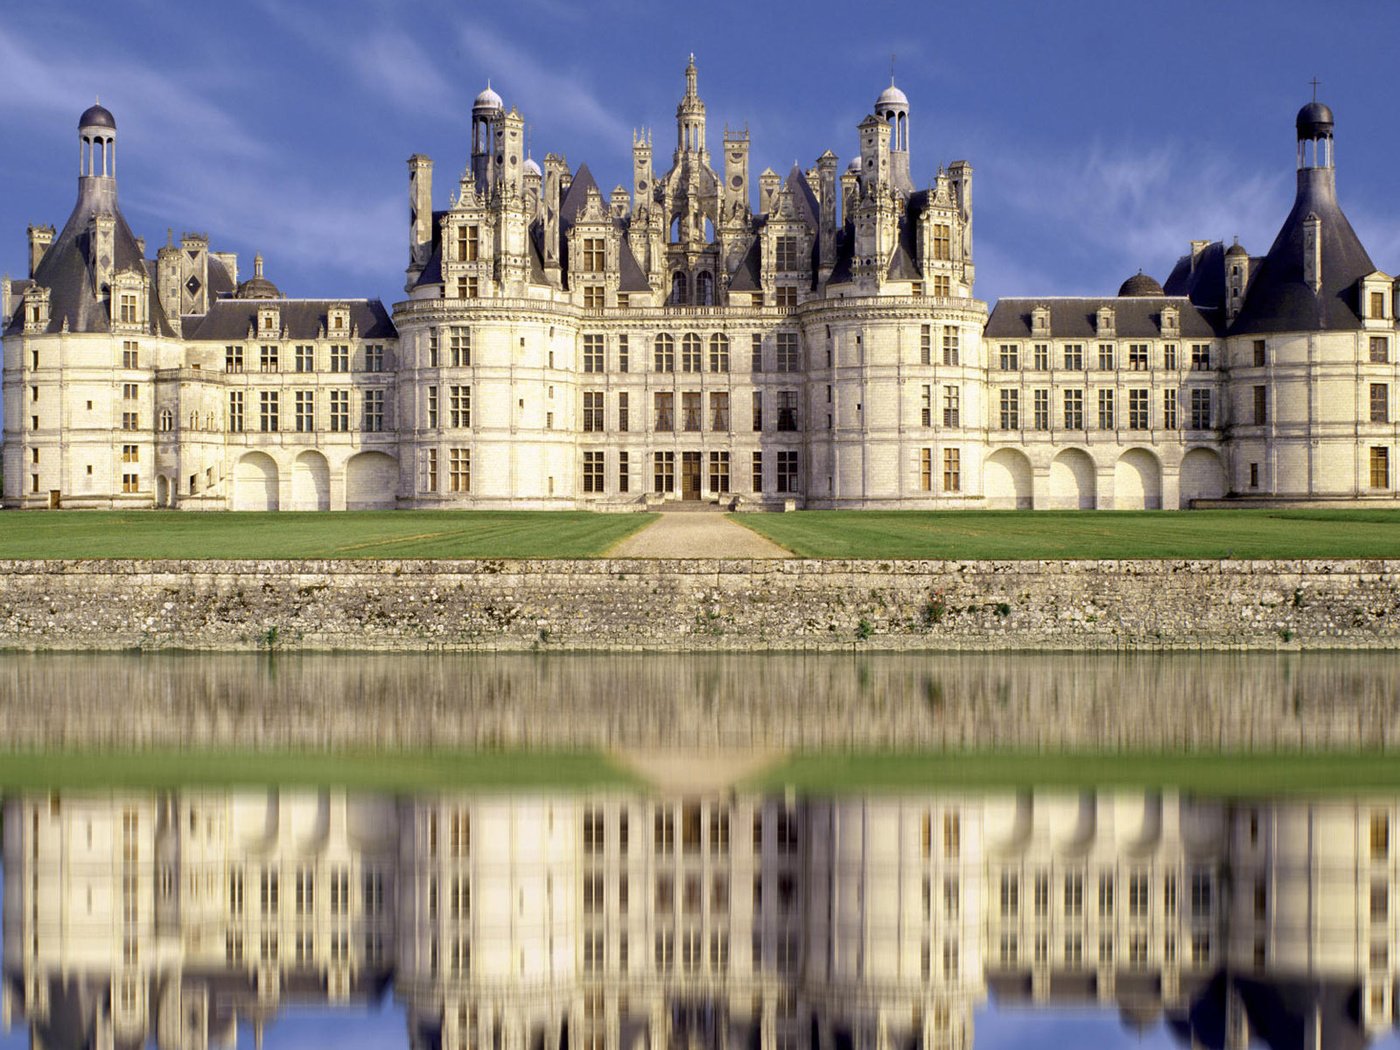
(754, 923)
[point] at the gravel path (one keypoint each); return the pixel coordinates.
(696, 535)
(697, 773)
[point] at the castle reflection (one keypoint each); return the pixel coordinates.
(539, 922)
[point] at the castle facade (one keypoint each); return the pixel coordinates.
(819, 347)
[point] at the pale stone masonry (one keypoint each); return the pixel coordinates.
(818, 345)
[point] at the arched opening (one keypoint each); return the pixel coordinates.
(1202, 477)
(704, 288)
(709, 231)
(255, 482)
(676, 230)
(167, 420)
(311, 482)
(678, 289)
(1137, 481)
(1006, 480)
(1072, 485)
(371, 482)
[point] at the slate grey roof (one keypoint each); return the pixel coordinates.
(1077, 318)
(1277, 299)
(630, 275)
(1205, 283)
(230, 319)
(845, 253)
(803, 199)
(432, 269)
(576, 197)
(747, 275)
(65, 271)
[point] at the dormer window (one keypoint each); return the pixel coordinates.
(594, 254)
(1040, 320)
(1377, 311)
(267, 320)
(1171, 320)
(1105, 320)
(339, 319)
(128, 308)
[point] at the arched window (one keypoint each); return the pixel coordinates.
(665, 353)
(678, 289)
(719, 353)
(167, 420)
(676, 230)
(690, 352)
(705, 288)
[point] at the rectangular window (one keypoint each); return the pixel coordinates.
(340, 411)
(719, 411)
(1380, 831)
(305, 411)
(1106, 888)
(374, 357)
(1105, 357)
(593, 471)
(592, 411)
(340, 359)
(1261, 406)
(950, 345)
(1138, 895)
(130, 454)
(235, 411)
(1259, 352)
(267, 358)
(432, 407)
(1380, 468)
(305, 358)
(756, 476)
(1254, 475)
(1169, 355)
(925, 404)
(1139, 412)
(130, 391)
(952, 471)
(952, 406)
(430, 470)
(758, 410)
(1106, 419)
(663, 475)
(128, 309)
(624, 482)
(1380, 402)
(787, 409)
(942, 243)
(594, 254)
(1169, 417)
(459, 347)
(1009, 417)
(785, 298)
(690, 352)
(719, 471)
(786, 344)
(593, 297)
(1074, 410)
(690, 410)
(664, 403)
(623, 362)
(1040, 409)
(1200, 410)
(1042, 895)
(1200, 357)
(787, 471)
(1010, 895)
(1138, 357)
(373, 411)
(468, 243)
(1377, 305)
(1074, 895)
(926, 344)
(459, 406)
(1042, 357)
(664, 356)
(622, 408)
(269, 405)
(1074, 357)
(130, 482)
(942, 285)
(785, 254)
(1009, 357)
(130, 357)
(719, 353)
(756, 353)
(459, 470)
(1200, 894)
(926, 469)
(1380, 350)
(233, 359)
(432, 348)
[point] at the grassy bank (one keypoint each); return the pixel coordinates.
(1209, 774)
(1018, 535)
(81, 770)
(355, 534)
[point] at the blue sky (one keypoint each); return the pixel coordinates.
(1104, 134)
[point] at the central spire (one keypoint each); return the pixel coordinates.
(690, 116)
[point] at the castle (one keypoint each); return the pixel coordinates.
(562, 348)
(621, 922)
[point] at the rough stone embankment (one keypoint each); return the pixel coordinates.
(700, 604)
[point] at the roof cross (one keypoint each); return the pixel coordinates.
(1314, 82)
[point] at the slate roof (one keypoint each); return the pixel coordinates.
(1205, 283)
(630, 275)
(1277, 299)
(230, 319)
(65, 271)
(746, 276)
(1133, 317)
(576, 197)
(432, 269)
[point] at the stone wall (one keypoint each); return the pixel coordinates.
(698, 605)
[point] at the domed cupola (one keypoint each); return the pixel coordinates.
(488, 101)
(1314, 121)
(97, 116)
(258, 286)
(1140, 285)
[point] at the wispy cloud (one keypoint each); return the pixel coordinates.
(560, 97)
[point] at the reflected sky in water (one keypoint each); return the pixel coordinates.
(532, 921)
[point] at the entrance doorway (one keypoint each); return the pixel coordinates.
(690, 475)
(55, 499)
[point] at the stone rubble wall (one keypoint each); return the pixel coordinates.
(698, 605)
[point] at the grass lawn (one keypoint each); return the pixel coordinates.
(1212, 774)
(360, 770)
(973, 534)
(355, 534)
